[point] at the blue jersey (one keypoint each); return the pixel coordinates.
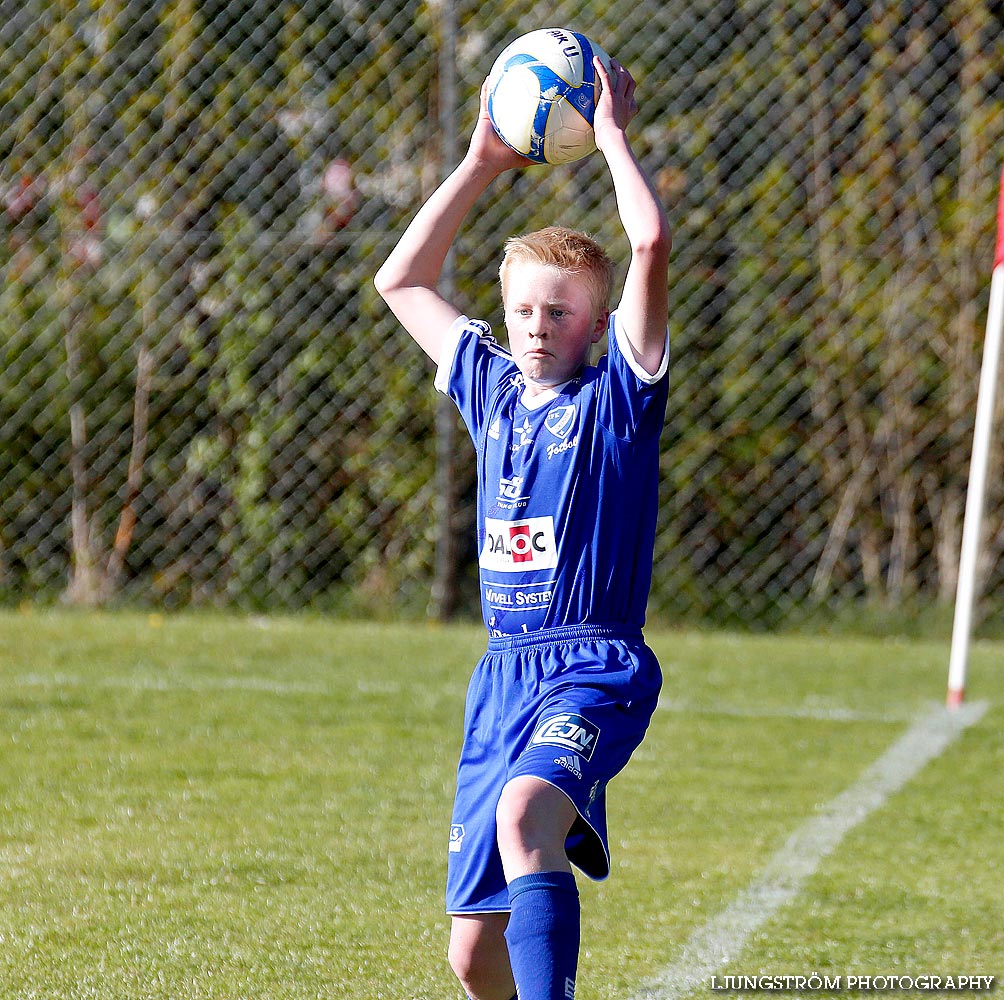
(567, 483)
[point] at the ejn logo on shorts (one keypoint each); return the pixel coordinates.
(570, 731)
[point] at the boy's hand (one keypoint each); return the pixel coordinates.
(616, 106)
(486, 146)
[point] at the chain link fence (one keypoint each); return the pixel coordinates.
(204, 402)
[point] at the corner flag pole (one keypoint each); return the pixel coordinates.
(972, 523)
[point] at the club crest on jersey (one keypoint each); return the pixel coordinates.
(518, 546)
(569, 731)
(560, 421)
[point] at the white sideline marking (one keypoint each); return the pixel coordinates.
(722, 939)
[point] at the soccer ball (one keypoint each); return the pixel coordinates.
(542, 93)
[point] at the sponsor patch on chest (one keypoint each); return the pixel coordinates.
(519, 546)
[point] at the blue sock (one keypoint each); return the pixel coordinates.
(543, 935)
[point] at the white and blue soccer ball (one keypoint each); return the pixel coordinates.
(542, 93)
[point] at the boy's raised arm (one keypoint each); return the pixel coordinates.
(644, 304)
(408, 281)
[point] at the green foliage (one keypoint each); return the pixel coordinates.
(830, 172)
(267, 461)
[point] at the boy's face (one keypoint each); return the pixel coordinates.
(551, 321)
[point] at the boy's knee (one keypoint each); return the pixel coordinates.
(469, 969)
(513, 820)
(479, 958)
(532, 820)
(464, 962)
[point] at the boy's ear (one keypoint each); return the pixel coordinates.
(601, 325)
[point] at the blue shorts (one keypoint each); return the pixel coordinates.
(566, 705)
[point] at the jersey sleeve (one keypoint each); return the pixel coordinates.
(472, 363)
(633, 401)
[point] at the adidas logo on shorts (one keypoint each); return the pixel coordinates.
(572, 764)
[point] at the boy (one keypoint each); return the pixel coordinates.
(567, 496)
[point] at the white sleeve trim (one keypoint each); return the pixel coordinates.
(448, 353)
(628, 351)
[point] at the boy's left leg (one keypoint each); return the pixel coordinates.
(547, 791)
(479, 956)
(533, 819)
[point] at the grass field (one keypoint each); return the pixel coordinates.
(217, 807)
